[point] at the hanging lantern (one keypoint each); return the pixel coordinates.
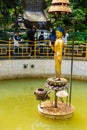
(60, 7)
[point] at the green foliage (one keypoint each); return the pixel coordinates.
(81, 27)
(75, 42)
(78, 37)
(79, 15)
(24, 36)
(9, 10)
(4, 35)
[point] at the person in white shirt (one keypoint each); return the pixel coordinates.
(65, 38)
(17, 39)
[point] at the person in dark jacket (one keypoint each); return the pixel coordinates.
(52, 36)
(41, 37)
(31, 38)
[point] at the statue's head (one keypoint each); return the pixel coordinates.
(59, 32)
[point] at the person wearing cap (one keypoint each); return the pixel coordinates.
(57, 48)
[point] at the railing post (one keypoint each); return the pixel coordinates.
(9, 50)
(86, 51)
(35, 48)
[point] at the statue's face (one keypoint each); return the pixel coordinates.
(59, 34)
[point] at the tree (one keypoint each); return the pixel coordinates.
(9, 10)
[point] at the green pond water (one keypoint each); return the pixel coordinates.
(18, 107)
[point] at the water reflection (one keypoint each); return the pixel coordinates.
(37, 124)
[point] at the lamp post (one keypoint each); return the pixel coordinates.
(72, 62)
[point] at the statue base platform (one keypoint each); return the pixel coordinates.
(62, 111)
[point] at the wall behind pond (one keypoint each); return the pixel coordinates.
(40, 68)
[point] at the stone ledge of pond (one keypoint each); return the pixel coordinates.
(75, 59)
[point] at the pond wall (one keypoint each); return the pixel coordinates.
(40, 68)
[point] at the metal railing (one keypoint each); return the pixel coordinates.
(38, 49)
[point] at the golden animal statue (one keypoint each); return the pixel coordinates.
(58, 48)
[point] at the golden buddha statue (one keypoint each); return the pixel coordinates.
(58, 48)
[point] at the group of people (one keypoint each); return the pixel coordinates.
(31, 37)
